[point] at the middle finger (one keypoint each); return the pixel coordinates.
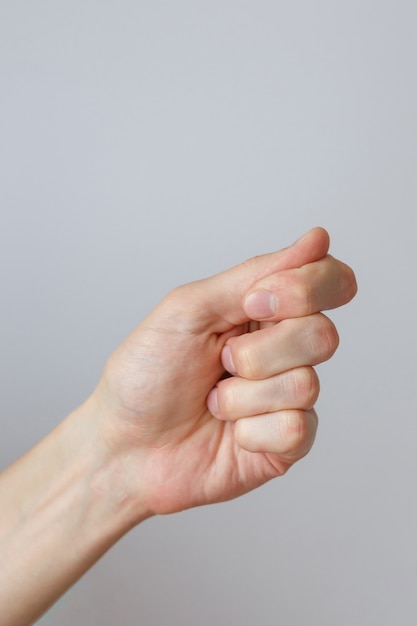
(283, 346)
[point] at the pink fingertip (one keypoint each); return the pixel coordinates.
(212, 401)
(227, 360)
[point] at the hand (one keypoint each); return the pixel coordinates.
(167, 428)
(187, 435)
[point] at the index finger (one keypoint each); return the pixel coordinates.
(322, 285)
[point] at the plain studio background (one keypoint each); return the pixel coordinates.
(147, 144)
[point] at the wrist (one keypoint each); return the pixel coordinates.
(110, 470)
(66, 502)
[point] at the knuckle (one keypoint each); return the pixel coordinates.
(303, 294)
(248, 362)
(306, 386)
(294, 432)
(182, 309)
(325, 338)
(177, 293)
(176, 299)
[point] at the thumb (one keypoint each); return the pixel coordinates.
(223, 295)
(215, 304)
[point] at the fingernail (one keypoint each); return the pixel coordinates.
(212, 402)
(260, 305)
(227, 360)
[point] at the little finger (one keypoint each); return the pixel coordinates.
(288, 434)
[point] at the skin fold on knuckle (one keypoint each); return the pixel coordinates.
(303, 387)
(178, 295)
(298, 429)
(176, 303)
(295, 293)
(323, 338)
(303, 291)
(247, 358)
(286, 433)
(295, 434)
(182, 307)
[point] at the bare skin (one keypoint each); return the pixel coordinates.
(165, 429)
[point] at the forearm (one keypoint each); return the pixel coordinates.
(63, 505)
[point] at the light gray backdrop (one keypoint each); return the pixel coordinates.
(146, 144)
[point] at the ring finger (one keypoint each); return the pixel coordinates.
(236, 397)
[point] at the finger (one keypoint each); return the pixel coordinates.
(235, 397)
(281, 347)
(217, 302)
(238, 281)
(287, 434)
(318, 286)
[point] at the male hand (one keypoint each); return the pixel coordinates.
(167, 428)
(185, 433)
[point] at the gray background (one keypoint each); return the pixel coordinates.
(146, 144)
